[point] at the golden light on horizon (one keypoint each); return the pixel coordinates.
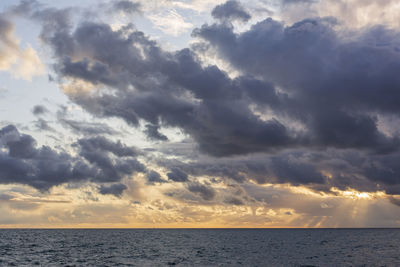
(284, 206)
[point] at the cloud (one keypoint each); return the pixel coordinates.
(113, 160)
(395, 201)
(176, 175)
(39, 110)
(23, 63)
(23, 163)
(197, 5)
(230, 10)
(87, 128)
(83, 127)
(152, 132)
(30, 64)
(9, 44)
(354, 14)
(360, 13)
(241, 130)
(234, 201)
(304, 109)
(126, 6)
(3, 92)
(295, 167)
(170, 22)
(100, 143)
(206, 192)
(306, 128)
(154, 177)
(43, 125)
(297, 1)
(114, 189)
(319, 72)
(210, 85)
(320, 171)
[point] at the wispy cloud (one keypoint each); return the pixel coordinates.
(22, 62)
(171, 22)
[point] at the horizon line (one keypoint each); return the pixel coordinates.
(195, 228)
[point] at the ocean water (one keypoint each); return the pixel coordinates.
(200, 247)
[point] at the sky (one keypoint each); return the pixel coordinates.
(199, 113)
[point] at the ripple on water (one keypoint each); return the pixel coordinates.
(195, 247)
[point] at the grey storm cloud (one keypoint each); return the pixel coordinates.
(294, 167)
(152, 131)
(320, 90)
(87, 128)
(318, 170)
(21, 161)
(289, 2)
(100, 143)
(39, 110)
(42, 125)
(114, 189)
(230, 10)
(126, 6)
(395, 201)
(24, 7)
(83, 127)
(335, 88)
(234, 201)
(5, 27)
(98, 151)
(309, 97)
(205, 192)
(154, 177)
(222, 122)
(177, 175)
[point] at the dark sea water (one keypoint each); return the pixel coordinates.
(201, 247)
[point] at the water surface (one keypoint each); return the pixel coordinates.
(200, 247)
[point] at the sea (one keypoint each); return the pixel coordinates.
(200, 247)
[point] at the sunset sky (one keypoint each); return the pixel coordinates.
(199, 113)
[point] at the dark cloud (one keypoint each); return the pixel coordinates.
(234, 201)
(309, 99)
(335, 87)
(113, 160)
(99, 160)
(39, 110)
(126, 6)
(222, 121)
(289, 2)
(23, 147)
(154, 177)
(395, 201)
(205, 192)
(296, 168)
(55, 26)
(152, 132)
(100, 143)
(177, 175)
(114, 189)
(24, 163)
(23, 7)
(87, 128)
(5, 25)
(295, 171)
(317, 170)
(230, 10)
(83, 127)
(6, 197)
(218, 122)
